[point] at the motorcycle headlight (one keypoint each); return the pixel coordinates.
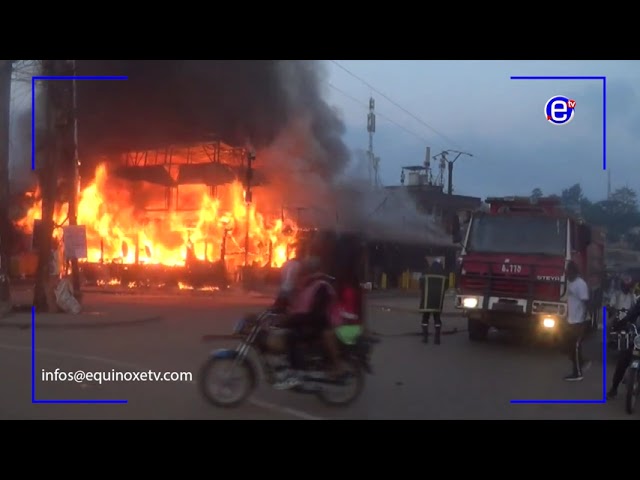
(636, 342)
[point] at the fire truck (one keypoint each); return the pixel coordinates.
(513, 259)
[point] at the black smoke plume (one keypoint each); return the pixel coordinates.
(241, 102)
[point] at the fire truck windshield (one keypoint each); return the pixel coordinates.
(517, 234)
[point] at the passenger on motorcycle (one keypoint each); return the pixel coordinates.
(624, 298)
(350, 320)
(625, 358)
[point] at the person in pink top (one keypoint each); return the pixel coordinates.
(310, 308)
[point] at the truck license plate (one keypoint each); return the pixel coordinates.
(635, 364)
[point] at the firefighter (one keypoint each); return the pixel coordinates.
(432, 289)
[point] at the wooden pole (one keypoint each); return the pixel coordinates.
(47, 157)
(6, 68)
(74, 171)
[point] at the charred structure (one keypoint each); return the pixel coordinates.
(162, 189)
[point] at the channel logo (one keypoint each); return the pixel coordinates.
(560, 110)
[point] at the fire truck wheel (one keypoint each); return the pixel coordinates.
(478, 330)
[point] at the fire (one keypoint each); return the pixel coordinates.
(124, 227)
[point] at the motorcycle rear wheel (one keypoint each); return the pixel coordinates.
(342, 396)
(633, 390)
(216, 390)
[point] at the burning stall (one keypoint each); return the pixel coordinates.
(178, 216)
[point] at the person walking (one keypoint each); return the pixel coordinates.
(432, 289)
(578, 326)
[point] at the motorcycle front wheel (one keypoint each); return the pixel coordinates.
(225, 382)
(633, 389)
(344, 395)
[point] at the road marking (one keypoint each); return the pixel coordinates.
(92, 358)
(279, 408)
(130, 366)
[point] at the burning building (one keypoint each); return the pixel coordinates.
(155, 196)
(179, 207)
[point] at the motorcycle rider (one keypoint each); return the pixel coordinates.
(624, 360)
(310, 310)
(290, 278)
(624, 298)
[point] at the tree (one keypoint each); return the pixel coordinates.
(618, 214)
(536, 194)
(623, 201)
(572, 196)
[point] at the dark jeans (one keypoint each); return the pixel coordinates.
(624, 360)
(437, 321)
(576, 333)
(302, 329)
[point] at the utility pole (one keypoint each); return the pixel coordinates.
(48, 163)
(248, 197)
(6, 69)
(450, 163)
(74, 161)
(374, 162)
(608, 183)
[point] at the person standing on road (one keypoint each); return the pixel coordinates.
(432, 288)
(577, 307)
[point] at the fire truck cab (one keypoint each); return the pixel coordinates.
(513, 260)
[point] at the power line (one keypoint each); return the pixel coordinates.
(386, 97)
(363, 104)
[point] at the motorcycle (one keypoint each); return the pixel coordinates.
(229, 376)
(619, 340)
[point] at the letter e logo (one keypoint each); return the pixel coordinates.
(559, 110)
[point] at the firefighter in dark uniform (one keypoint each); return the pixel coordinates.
(432, 289)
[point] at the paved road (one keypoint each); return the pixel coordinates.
(456, 380)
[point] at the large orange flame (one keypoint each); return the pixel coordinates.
(122, 226)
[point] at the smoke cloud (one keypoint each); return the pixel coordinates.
(21, 177)
(274, 106)
(383, 214)
(241, 102)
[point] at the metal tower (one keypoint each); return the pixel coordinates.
(374, 162)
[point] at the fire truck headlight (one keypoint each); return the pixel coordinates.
(548, 322)
(470, 302)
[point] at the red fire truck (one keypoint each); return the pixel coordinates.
(512, 272)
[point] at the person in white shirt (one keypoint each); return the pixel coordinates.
(624, 298)
(577, 304)
(290, 275)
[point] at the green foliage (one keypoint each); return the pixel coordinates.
(619, 214)
(536, 193)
